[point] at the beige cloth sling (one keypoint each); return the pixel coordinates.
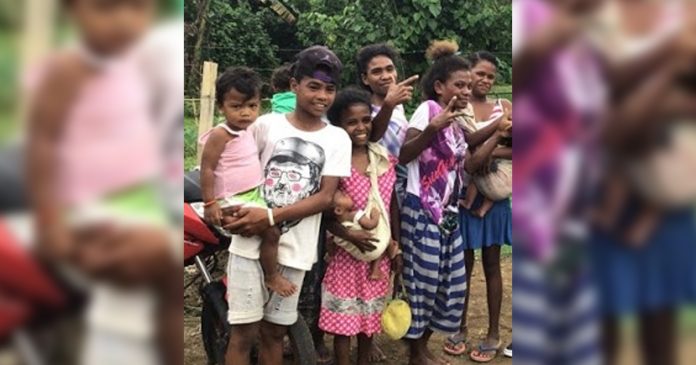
(379, 164)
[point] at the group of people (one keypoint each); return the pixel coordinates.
(405, 202)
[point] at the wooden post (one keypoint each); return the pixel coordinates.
(39, 24)
(37, 39)
(205, 120)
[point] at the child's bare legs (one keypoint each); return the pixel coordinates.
(469, 196)
(486, 206)
(342, 349)
(375, 273)
(269, 263)
(171, 318)
(420, 354)
(364, 348)
(242, 339)
(390, 252)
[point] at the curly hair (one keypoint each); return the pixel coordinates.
(243, 79)
(446, 61)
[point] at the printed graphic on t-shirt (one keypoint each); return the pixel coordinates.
(292, 173)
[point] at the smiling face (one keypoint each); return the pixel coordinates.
(357, 122)
(459, 85)
(240, 111)
(313, 95)
(483, 74)
(380, 74)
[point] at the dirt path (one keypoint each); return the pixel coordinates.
(396, 351)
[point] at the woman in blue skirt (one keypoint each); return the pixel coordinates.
(482, 228)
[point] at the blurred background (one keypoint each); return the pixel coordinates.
(605, 181)
(70, 309)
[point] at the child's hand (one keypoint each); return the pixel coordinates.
(56, 243)
(213, 214)
(447, 116)
(401, 92)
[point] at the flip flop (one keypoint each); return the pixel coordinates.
(453, 345)
(507, 352)
(483, 349)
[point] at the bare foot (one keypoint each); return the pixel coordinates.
(376, 354)
(277, 283)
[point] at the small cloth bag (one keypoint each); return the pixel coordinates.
(396, 317)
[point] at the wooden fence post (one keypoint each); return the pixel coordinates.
(37, 39)
(205, 119)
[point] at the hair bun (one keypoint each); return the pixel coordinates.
(440, 49)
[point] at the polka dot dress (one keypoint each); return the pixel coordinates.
(352, 303)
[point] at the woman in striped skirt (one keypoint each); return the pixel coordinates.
(434, 273)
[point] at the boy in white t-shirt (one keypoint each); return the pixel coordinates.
(303, 159)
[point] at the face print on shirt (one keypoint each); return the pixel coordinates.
(293, 172)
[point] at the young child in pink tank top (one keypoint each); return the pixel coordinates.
(231, 169)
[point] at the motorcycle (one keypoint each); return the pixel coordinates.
(33, 302)
(202, 244)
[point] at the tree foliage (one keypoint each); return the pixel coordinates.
(254, 36)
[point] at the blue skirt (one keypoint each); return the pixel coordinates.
(495, 228)
(660, 275)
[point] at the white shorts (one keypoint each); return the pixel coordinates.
(247, 296)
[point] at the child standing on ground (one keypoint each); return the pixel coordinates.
(352, 303)
(303, 159)
(231, 170)
(434, 272)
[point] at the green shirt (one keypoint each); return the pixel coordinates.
(283, 102)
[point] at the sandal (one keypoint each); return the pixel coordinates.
(456, 345)
(480, 354)
(508, 351)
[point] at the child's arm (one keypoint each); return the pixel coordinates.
(209, 159)
(476, 138)
(363, 240)
(47, 115)
(417, 141)
(479, 158)
(371, 221)
(502, 152)
(253, 221)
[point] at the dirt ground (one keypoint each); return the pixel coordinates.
(395, 351)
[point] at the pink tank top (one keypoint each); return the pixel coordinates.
(239, 168)
(108, 142)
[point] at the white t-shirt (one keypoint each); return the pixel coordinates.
(419, 120)
(294, 162)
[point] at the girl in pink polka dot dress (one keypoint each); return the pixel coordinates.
(352, 303)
